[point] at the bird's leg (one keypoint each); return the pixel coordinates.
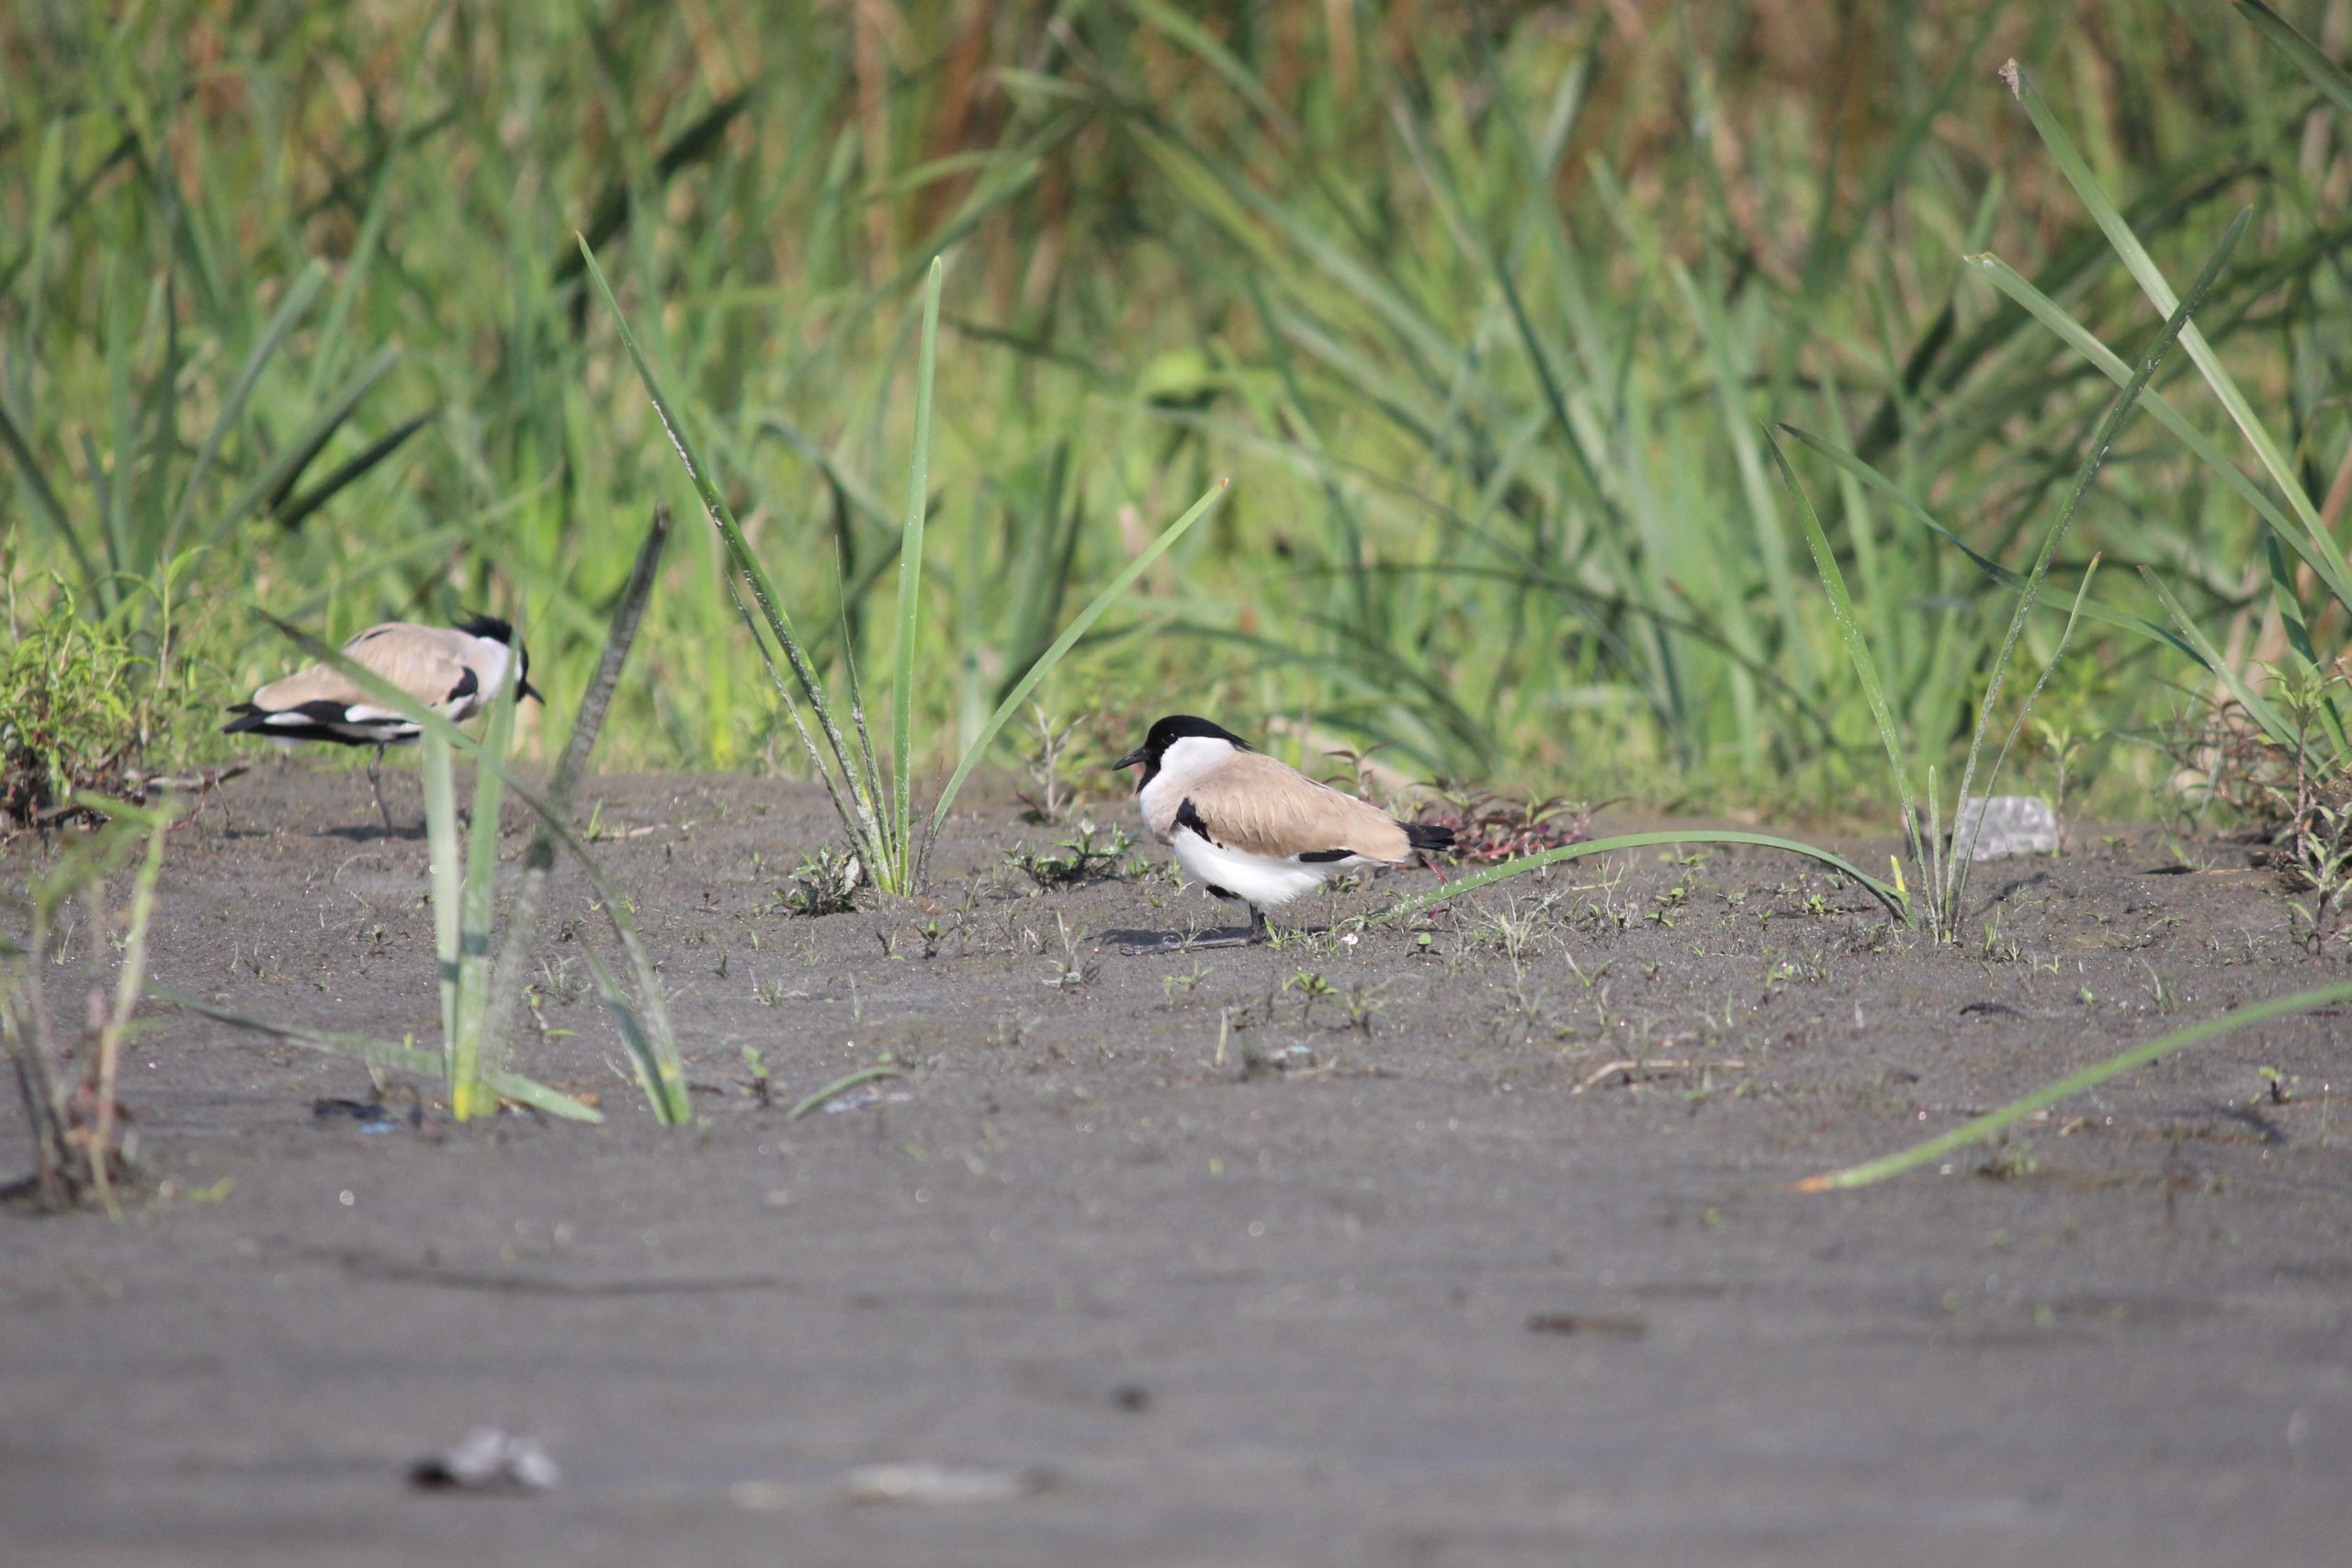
(1257, 933)
(375, 779)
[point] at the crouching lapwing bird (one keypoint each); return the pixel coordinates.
(1252, 831)
(456, 669)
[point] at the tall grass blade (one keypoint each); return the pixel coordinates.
(1985, 1126)
(2274, 723)
(900, 820)
(448, 877)
(1413, 904)
(505, 992)
(283, 470)
(476, 911)
(1947, 891)
(292, 513)
(1857, 648)
(45, 500)
(1991, 568)
(659, 1072)
(858, 814)
(1963, 860)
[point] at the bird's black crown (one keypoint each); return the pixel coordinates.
(1178, 726)
(490, 628)
(1166, 732)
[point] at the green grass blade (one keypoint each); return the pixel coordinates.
(477, 912)
(1192, 35)
(659, 1072)
(1772, 546)
(846, 1081)
(1430, 899)
(1985, 1126)
(386, 1053)
(899, 826)
(291, 512)
(860, 822)
(2307, 56)
(1857, 648)
(448, 881)
(1061, 644)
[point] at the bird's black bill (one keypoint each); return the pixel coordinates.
(532, 692)
(1138, 755)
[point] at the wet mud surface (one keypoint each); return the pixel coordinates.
(1472, 1244)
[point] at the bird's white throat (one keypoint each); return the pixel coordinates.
(494, 660)
(1181, 763)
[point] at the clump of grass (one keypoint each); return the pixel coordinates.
(80, 1149)
(80, 709)
(1088, 854)
(825, 884)
(875, 802)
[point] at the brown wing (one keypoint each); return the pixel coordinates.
(421, 660)
(1253, 804)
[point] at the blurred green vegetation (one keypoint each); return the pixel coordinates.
(1484, 308)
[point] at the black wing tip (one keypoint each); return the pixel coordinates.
(1428, 836)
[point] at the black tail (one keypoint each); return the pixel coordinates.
(1426, 837)
(249, 717)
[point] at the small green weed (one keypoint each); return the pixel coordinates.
(1089, 854)
(825, 884)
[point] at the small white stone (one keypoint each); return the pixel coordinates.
(2003, 825)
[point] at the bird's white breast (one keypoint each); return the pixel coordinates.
(1259, 880)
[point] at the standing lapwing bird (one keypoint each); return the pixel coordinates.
(1252, 831)
(456, 669)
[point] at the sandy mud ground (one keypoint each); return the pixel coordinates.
(1412, 1268)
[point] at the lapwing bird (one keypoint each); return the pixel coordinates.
(456, 669)
(1252, 831)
